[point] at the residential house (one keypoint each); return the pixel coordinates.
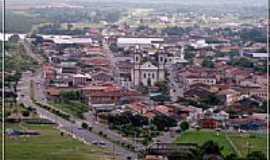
(230, 96)
(102, 77)
(165, 110)
(197, 94)
(107, 94)
(49, 72)
(210, 123)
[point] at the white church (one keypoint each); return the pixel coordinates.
(147, 72)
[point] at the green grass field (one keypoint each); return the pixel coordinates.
(255, 142)
(200, 137)
(258, 143)
(50, 145)
(74, 108)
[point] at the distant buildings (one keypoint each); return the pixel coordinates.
(127, 42)
(68, 40)
(257, 55)
(205, 96)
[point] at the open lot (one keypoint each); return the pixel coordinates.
(50, 145)
(257, 142)
(75, 108)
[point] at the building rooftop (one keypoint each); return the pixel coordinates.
(138, 40)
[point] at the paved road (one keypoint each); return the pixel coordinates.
(97, 127)
(71, 128)
(177, 91)
(167, 137)
(110, 56)
(29, 51)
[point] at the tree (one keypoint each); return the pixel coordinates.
(100, 133)
(138, 120)
(242, 62)
(114, 48)
(119, 119)
(233, 54)
(254, 34)
(161, 98)
(26, 113)
(211, 100)
(184, 126)
(256, 155)
(189, 55)
(84, 125)
(210, 147)
(143, 89)
(232, 156)
(208, 63)
(70, 95)
(14, 38)
(261, 68)
(163, 87)
(90, 128)
(163, 122)
(127, 118)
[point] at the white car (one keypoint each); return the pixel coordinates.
(242, 131)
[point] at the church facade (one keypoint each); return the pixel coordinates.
(147, 73)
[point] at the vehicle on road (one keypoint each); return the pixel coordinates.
(99, 143)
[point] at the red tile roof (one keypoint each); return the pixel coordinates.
(164, 109)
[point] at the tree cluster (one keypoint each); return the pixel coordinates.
(163, 122)
(70, 95)
(128, 118)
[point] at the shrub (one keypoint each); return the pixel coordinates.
(90, 128)
(184, 126)
(100, 133)
(84, 125)
(26, 113)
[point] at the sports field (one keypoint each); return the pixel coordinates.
(233, 141)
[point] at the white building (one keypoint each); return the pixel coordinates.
(199, 44)
(257, 55)
(81, 79)
(127, 42)
(191, 80)
(146, 73)
(66, 39)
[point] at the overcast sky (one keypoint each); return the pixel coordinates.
(262, 2)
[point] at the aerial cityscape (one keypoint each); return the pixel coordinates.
(135, 80)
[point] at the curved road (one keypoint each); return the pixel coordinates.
(73, 129)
